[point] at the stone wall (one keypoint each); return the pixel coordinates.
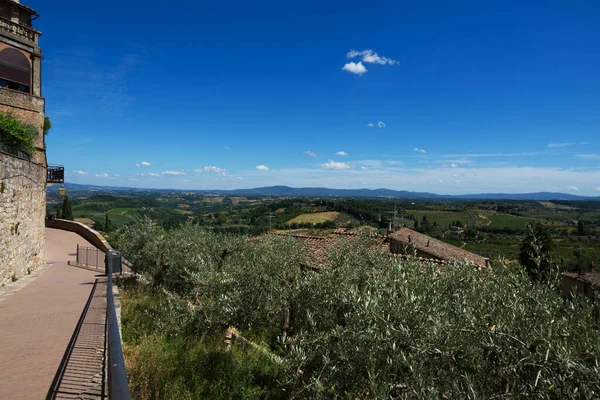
(92, 236)
(22, 214)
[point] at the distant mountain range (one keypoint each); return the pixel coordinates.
(286, 191)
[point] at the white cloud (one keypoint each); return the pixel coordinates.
(101, 175)
(363, 167)
(143, 164)
(149, 174)
(573, 188)
(371, 125)
(589, 156)
(227, 148)
(173, 173)
(355, 68)
(369, 56)
(212, 168)
(555, 145)
(453, 165)
(457, 181)
(341, 153)
(79, 172)
(335, 165)
(420, 150)
(381, 124)
(440, 181)
(597, 188)
(310, 153)
(262, 168)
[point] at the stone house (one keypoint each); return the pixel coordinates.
(586, 283)
(412, 243)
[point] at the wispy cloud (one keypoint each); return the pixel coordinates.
(212, 168)
(555, 145)
(262, 168)
(335, 165)
(371, 125)
(589, 156)
(381, 124)
(79, 172)
(573, 188)
(369, 56)
(310, 153)
(418, 150)
(93, 83)
(101, 175)
(227, 148)
(524, 154)
(143, 164)
(173, 173)
(154, 174)
(341, 153)
(355, 68)
(597, 188)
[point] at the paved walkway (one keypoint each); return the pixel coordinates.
(38, 322)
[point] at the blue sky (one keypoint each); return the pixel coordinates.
(460, 97)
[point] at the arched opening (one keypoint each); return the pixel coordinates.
(15, 70)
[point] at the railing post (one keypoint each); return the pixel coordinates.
(118, 388)
(77, 257)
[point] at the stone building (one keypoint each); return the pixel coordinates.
(586, 283)
(22, 176)
(412, 243)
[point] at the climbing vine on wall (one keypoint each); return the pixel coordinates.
(16, 135)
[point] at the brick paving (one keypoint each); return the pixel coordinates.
(38, 322)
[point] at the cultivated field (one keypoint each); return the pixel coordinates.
(500, 221)
(314, 218)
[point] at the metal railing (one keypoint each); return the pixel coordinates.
(118, 388)
(55, 174)
(19, 30)
(90, 257)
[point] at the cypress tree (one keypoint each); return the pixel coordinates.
(67, 211)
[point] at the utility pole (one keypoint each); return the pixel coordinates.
(270, 218)
(393, 218)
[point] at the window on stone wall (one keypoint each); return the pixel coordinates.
(15, 70)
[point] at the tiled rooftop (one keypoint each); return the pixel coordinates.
(592, 277)
(433, 248)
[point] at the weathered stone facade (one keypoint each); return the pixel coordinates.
(22, 214)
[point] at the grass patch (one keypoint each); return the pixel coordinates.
(500, 221)
(314, 218)
(176, 364)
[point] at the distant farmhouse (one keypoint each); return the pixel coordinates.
(412, 243)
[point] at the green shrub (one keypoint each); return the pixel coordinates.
(367, 326)
(17, 135)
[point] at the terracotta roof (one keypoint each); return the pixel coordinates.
(434, 248)
(592, 277)
(317, 248)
